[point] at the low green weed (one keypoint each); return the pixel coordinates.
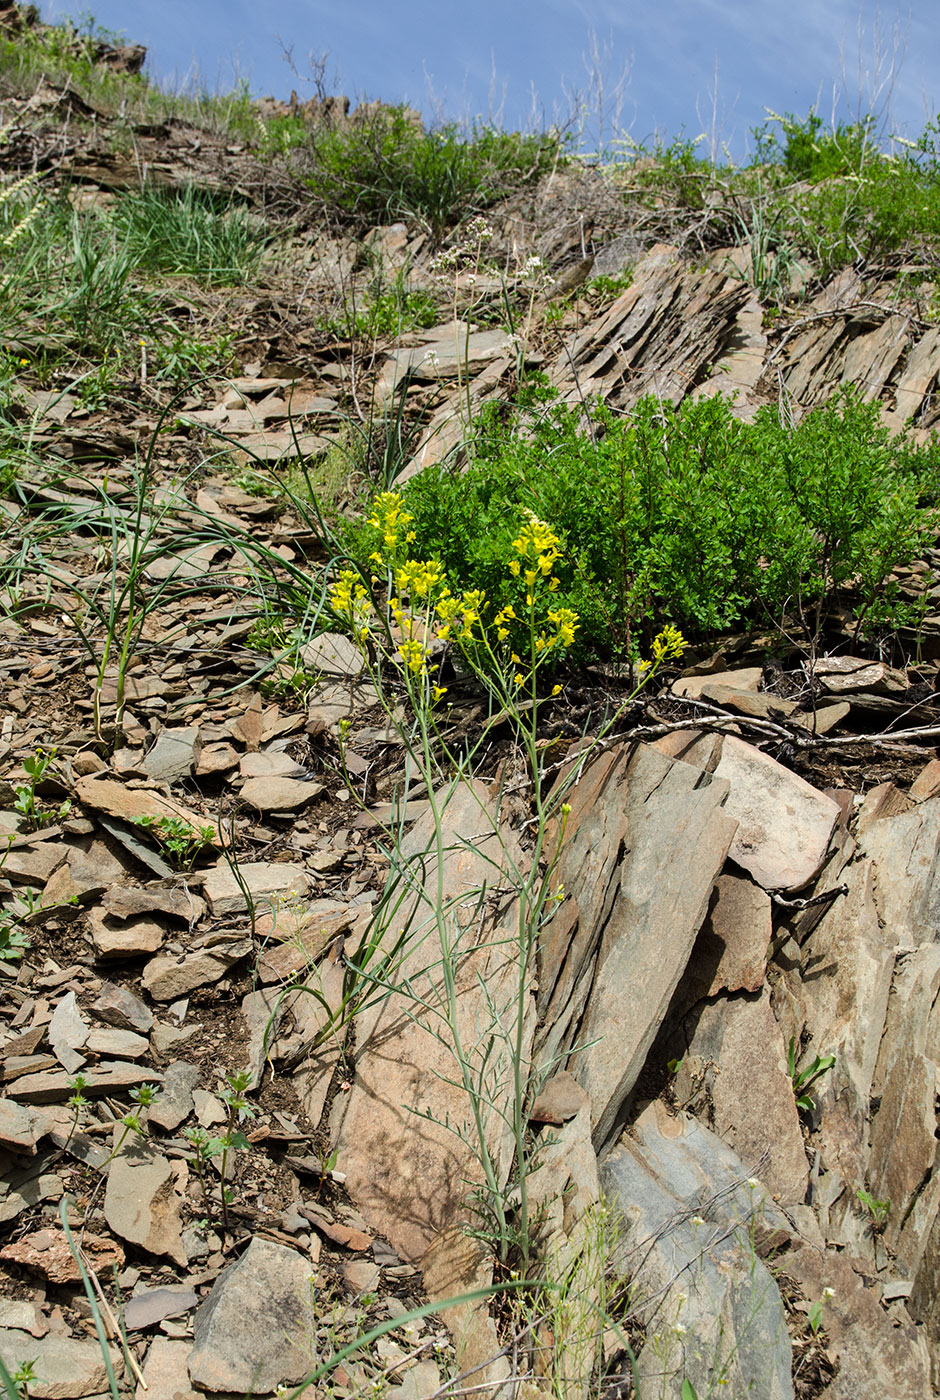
(180, 842)
(803, 1079)
(682, 515)
(388, 309)
(878, 1210)
(231, 1139)
(33, 813)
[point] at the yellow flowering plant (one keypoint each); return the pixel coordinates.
(407, 622)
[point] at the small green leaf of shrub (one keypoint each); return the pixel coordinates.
(179, 841)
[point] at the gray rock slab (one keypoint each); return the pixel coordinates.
(21, 1128)
(68, 1032)
(172, 756)
(737, 1042)
(216, 758)
(405, 1171)
(843, 675)
(267, 882)
(175, 1103)
(331, 655)
(278, 794)
(168, 978)
(744, 678)
(108, 1077)
(119, 1006)
(906, 852)
(633, 818)
(269, 764)
(254, 1332)
(152, 1305)
(176, 901)
(710, 1306)
(140, 1202)
(165, 1371)
(65, 1369)
(133, 938)
(116, 1044)
(784, 824)
(125, 804)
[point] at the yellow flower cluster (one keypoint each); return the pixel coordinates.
(349, 599)
(669, 645)
(392, 521)
(419, 577)
(537, 547)
(462, 614)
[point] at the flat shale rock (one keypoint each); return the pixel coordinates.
(736, 1055)
(635, 817)
(119, 1007)
(21, 1128)
(175, 1102)
(167, 978)
(405, 1171)
(140, 1202)
(254, 1332)
(175, 901)
(128, 804)
(846, 675)
(784, 824)
(274, 794)
(730, 952)
(65, 1369)
(710, 1306)
(54, 1086)
(166, 1373)
(266, 882)
(172, 756)
(133, 938)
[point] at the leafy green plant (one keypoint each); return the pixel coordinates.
(683, 515)
(231, 1139)
(878, 1210)
(803, 1079)
(182, 843)
(35, 815)
(387, 309)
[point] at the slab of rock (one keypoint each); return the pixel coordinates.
(118, 1006)
(216, 758)
(844, 675)
(47, 1253)
(253, 1332)
(21, 1128)
(65, 1369)
(746, 678)
(128, 804)
(168, 978)
(108, 1077)
(784, 824)
(175, 901)
(560, 1099)
(88, 872)
(737, 1042)
(405, 1171)
(34, 864)
(175, 1102)
(140, 1201)
(172, 756)
(756, 704)
(824, 718)
(165, 1372)
(634, 816)
(119, 1045)
(713, 1307)
(332, 655)
(456, 1265)
(278, 794)
(269, 764)
(67, 1033)
(730, 953)
(134, 938)
(266, 881)
(152, 1305)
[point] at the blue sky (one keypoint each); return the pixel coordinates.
(697, 65)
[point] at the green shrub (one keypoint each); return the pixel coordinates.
(386, 166)
(681, 515)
